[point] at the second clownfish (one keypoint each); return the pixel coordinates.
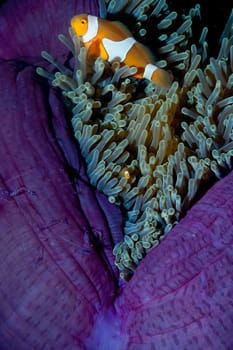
(111, 40)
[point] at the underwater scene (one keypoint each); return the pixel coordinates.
(116, 181)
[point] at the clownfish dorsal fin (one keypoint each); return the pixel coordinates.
(113, 30)
(122, 28)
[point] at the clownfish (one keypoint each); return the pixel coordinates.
(111, 41)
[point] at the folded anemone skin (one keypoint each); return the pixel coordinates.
(59, 286)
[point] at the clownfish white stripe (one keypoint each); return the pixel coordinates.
(118, 49)
(92, 29)
(149, 70)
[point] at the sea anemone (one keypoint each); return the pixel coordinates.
(152, 152)
(59, 286)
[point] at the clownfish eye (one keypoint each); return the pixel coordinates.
(83, 21)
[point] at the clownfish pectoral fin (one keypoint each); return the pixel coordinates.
(158, 75)
(102, 52)
(95, 49)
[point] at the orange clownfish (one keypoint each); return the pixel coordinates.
(111, 40)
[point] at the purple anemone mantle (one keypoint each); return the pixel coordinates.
(58, 285)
